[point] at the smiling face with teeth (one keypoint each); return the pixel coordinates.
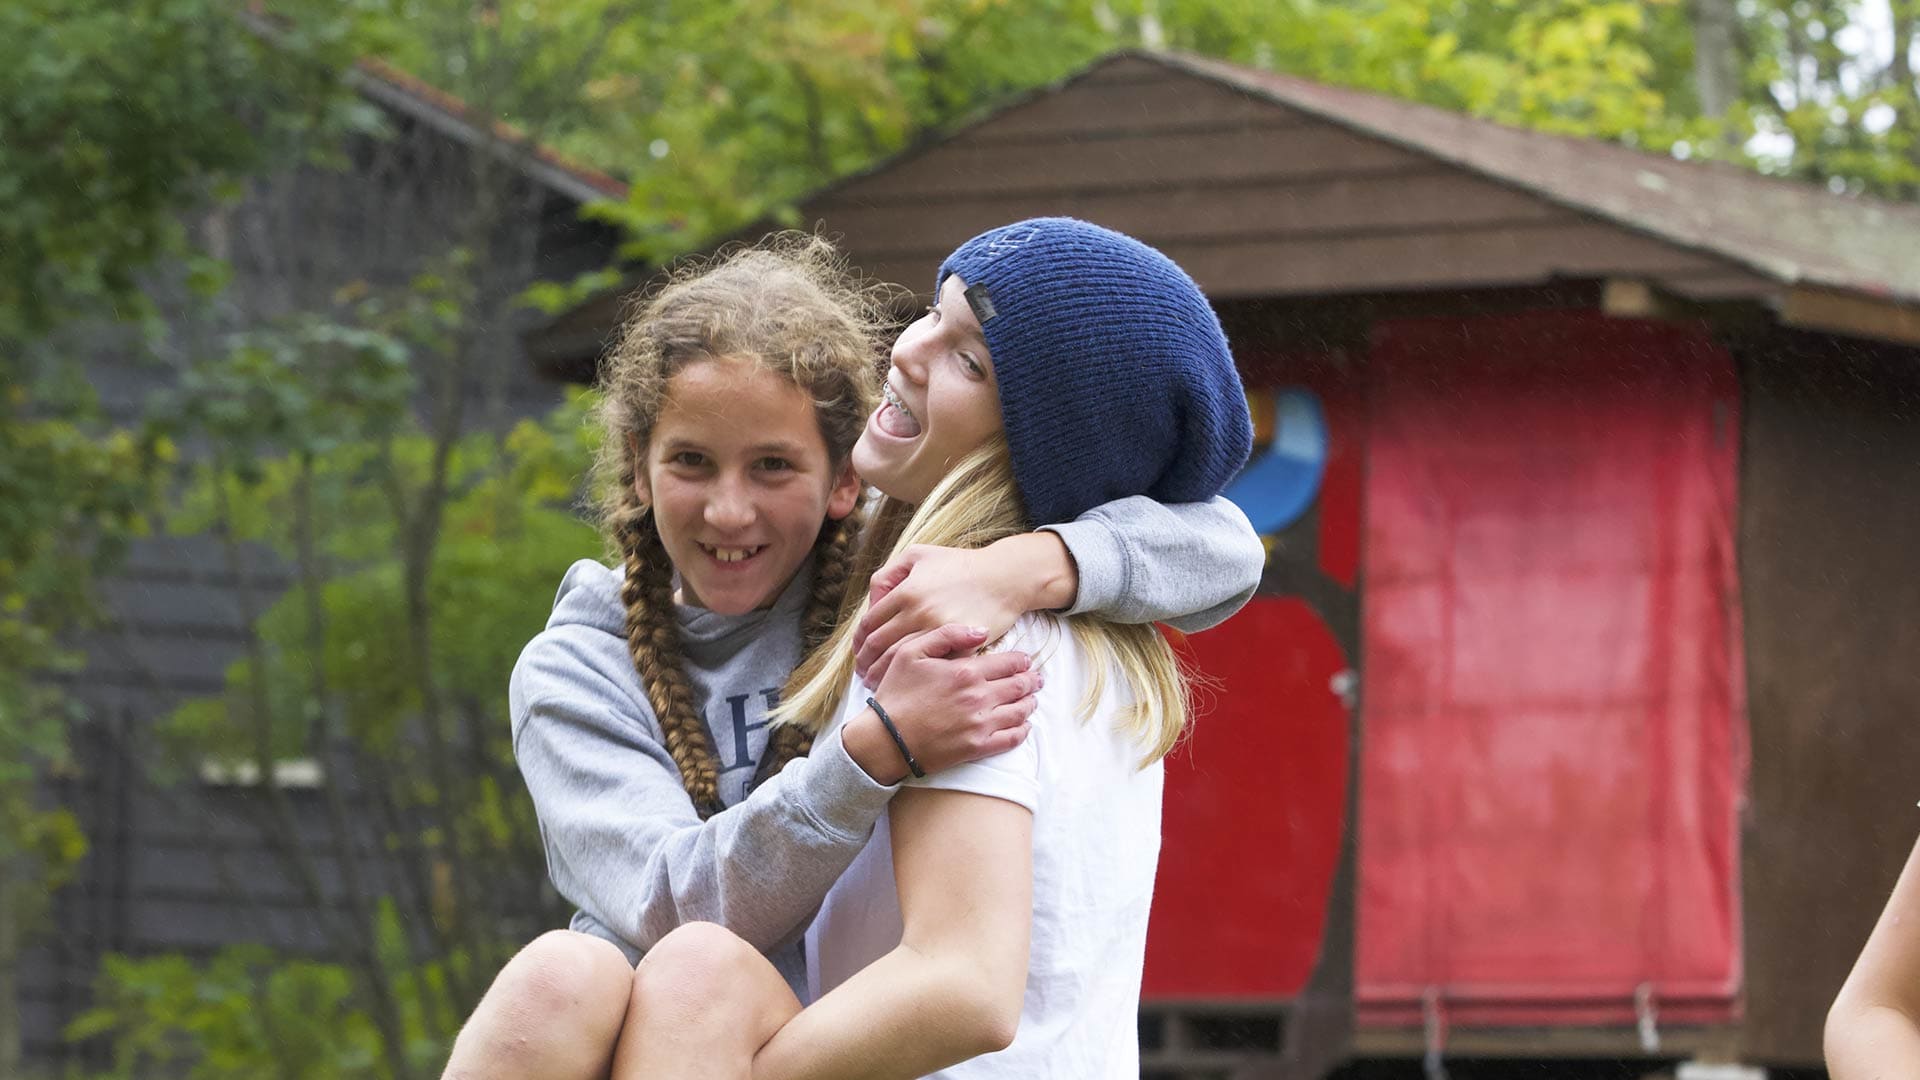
(940, 401)
(740, 481)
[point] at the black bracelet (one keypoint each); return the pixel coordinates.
(887, 722)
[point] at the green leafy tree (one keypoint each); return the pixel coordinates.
(722, 113)
(339, 439)
(343, 445)
(1836, 104)
(115, 119)
(71, 503)
(117, 115)
(422, 557)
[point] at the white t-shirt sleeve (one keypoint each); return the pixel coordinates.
(1015, 775)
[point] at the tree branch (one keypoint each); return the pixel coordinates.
(322, 740)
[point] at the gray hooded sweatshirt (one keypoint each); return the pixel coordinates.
(623, 841)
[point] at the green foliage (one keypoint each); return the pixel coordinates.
(117, 114)
(243, 1015)
(118, 121)
(554, 297)
(422, 990)
(44, 847)
(1849, 117)
(311, 420)
(423, 558)
(725, 127)
(115, 117)
(509, 532)
(1612, 69)
(250, 1013)
(72, 501)
(1577, 66)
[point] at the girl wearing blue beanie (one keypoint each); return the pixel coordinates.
(995, 923)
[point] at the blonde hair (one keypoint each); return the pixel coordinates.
(790, 305)
(976, 503)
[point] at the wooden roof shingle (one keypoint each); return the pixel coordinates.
(1267, 185)
(1791, 231)
(413, 97)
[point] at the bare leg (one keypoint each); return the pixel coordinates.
(703, 1003)
(553, 1013)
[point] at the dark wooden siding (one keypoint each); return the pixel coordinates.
(185, 867)
(1830, 522)
(1253, 198)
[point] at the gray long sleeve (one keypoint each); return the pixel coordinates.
(1189, 565)
(623, 841)
(625, 845)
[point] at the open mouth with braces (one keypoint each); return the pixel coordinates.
(901, 423)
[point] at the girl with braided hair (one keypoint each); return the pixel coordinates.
(733, 401)
(995, 924)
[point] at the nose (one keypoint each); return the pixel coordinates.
(729, 504)
(909, 356)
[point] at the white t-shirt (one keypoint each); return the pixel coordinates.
(1096, 844)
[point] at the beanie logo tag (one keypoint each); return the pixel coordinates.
(1011, 238)
(980, 302)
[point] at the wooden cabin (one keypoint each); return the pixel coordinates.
(1577, 716)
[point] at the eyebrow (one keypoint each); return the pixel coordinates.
(788, 449)
(977, 336)
(972, 332)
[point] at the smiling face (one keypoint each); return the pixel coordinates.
(940, 402)
(740, 482)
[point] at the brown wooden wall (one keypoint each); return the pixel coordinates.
(1253, 198)
(1830, 567)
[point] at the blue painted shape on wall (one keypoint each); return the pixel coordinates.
(1282, 480)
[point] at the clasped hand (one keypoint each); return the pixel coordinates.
(930, 612)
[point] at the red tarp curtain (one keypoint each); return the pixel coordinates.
(1554, 727)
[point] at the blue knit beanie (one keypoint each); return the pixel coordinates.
(1114, 375)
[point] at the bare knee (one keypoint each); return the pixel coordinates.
(562, 972)
(554, 1010)
(699, 945)
(701, 994)
(708, 975)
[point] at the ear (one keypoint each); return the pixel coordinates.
(845, 493)
(641, 488)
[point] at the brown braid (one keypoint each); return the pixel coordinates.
(832, 569)
(653, 638)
